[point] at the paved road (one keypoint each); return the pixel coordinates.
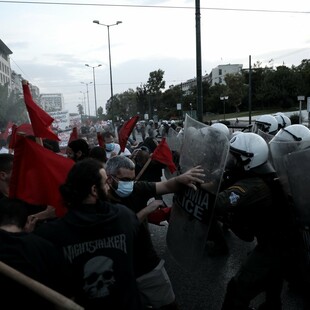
(204, 289)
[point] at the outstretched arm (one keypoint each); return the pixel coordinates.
(190, 178)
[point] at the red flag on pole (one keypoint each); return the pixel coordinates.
(100, 139)
(40, 120)
(73, 135)
(126, 130)
(163, 154)
(21, 130)
(37, 174)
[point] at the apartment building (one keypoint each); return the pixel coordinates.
(5, 67)
(217, 75)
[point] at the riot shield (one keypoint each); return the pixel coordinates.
(192, 210)
(298, 167)
(174, 140)
(278, 153)
(266, 136)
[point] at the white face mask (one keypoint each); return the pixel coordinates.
(124, 188)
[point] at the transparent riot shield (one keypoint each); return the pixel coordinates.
(192, 210)
(174, 140)
(266, 136)
(298, 167)
(278, 155)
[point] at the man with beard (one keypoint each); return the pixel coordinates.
(97, 240)
(78, 149)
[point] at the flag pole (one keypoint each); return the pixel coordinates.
(143, 168)
(54, 297)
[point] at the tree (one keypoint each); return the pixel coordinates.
(125, 104)
(170, 98)
(141, 97)
(155, 82)
(12, 107)
(80, 109)
(154, 86)
(235, 89)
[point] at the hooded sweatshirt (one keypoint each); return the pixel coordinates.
(97, 241)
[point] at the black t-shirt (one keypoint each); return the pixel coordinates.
(146, 258)
(97, 242)
(34, 257)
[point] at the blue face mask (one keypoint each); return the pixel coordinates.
(124, 188)
(110, 147)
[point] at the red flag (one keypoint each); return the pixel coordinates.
(100, 139)
(40, 120)
(37, 174)
(17, 132)
(125, 131)
(73, 135)
(159, 215)
(163, 154)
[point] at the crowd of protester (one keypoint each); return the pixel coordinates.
(100, 253)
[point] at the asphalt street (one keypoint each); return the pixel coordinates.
(204, 289)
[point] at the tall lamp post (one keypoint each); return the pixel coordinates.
(87, 95)
(95, 96)
(224, 98)
(111, 83)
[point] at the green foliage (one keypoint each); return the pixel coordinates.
(155, 82)
(272, 88)
(80, 109)
(235, 89)
(294, 118)
(12, 107)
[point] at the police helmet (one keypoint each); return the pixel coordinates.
(295, 132)
(283, 120)
(250, 148)
(222, 127)
(266, 123)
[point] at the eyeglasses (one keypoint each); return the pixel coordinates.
(115, 178)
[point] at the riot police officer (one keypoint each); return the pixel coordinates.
(254, 208)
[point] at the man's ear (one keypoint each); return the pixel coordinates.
(2, 175)
(78, 154)
(94, 191)
(109, 180)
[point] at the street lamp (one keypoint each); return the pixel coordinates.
(111, 83)
(87, 95)
(224, 98)
(300, 99)
(87, 65)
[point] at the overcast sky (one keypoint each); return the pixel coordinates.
(51, 43)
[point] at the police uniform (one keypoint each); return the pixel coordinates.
(253, 210)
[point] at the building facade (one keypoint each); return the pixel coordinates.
(5, 67)
(217, 75)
